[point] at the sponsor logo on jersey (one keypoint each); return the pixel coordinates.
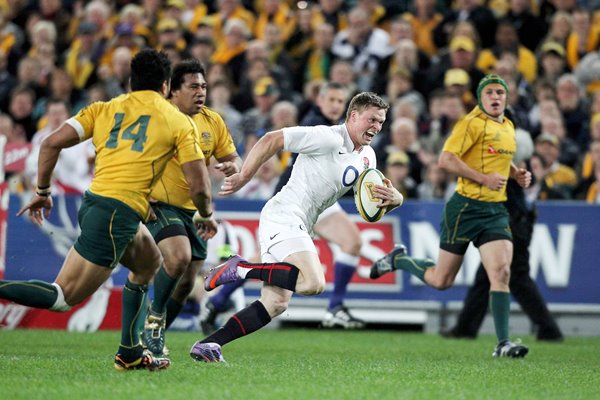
(492, 150)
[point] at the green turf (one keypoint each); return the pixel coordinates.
(300, 364)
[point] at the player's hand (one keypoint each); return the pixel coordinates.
(389, 194)
(495, 181)
(207, 228)
(232, 184)
(39, 208)
(523, 177)
(228, 168)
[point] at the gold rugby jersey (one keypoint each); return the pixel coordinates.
(214, 139)
(486, 146)
(135, 135)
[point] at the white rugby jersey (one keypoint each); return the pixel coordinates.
(326, 168)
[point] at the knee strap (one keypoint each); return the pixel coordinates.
(60, 304)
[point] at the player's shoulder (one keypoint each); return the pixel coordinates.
(208, 115)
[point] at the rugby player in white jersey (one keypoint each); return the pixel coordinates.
(329, 162)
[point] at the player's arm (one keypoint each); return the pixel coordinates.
(521, 175)
(264, 149)
(198, 180)
(63, 137)
(229, 164)
(453, 164)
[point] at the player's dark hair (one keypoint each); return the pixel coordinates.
(364, 100)
(149, 70)
(181, 69)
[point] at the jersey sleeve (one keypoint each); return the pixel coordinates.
(224, 144)
(83, 122)
(311, 140)
(461, 139)
(188, 148)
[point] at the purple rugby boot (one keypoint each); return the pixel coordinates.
(224, 273)
(207, 352)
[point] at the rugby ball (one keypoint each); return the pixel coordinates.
(366, 203)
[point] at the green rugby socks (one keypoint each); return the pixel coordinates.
(500, 306)
(33, 293)
(416, 266)
(134, 314)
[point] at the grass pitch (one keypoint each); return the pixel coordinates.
(300, 364)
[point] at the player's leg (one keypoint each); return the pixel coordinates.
(284, 239)
(170, 232)
(182, 291)
(87, 265)
(142, 257)
(496, 257)
(77, 279)
(274, 299)
(337, 228)
(474, 308)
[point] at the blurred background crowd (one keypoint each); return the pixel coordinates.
(266, 60)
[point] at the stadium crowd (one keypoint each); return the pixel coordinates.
(266, 60)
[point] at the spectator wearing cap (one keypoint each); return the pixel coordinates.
(170, 35)
(467, 10)
(462, 53)
(552, 62)
(174, 9)
(560, 175)
(507, 41)
(457, 81)
(84, 54)
(397, 169)
(256, 119)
